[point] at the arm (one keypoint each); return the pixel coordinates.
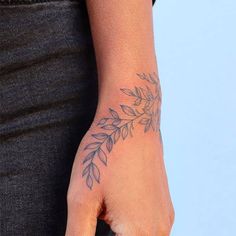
(118, 173)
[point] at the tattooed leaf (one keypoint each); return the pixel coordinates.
(128, 110)
(158, 111)
(146, 106)
(128, 92)
(149, 93)
(102, 121)
(138, 112)
(144, 76)
(102, 156)
(159, 96)
(137, 102)
(124, 131)
(141, 76)
(86, 170)
(143, 92)
(130, 131)
(100, 136)
(89, 181)
(116, 135)
(158, 122)
(109, 144)
(151, 78)
(138, 93)
(131, 125)
(147, 78)
(89, 156)
(109, 127)
(116, 122)
(147, 126)
(96, 173)
(92, 145)
(156, 90)
(153, 124)
(114, 113)
(144, 121)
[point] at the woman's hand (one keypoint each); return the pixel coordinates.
(118, 174)
(130, 192)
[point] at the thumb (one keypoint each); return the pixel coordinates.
(82, 218)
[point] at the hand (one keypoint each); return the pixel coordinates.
(119, 176)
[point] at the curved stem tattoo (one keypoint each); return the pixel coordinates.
(145, 111)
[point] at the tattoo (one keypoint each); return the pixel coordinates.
(145, 111)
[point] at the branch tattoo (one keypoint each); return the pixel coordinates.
(144, 110)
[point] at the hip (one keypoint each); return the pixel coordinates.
(48, 70)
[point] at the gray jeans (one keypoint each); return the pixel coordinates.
(48, 97)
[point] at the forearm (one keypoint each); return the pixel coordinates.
(123, 37)
(123, 40)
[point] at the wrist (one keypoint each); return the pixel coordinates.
(138, 90)
(125, 110)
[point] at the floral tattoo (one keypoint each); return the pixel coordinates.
(144, 110)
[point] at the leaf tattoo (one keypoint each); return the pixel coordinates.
(144, 110)
(128, 110)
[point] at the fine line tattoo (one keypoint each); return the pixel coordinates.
(145, 111)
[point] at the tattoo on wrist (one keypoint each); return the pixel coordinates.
(144, 110)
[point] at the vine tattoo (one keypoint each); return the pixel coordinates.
(144, 110)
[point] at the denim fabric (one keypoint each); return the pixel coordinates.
(48, 97)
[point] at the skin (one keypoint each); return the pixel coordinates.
(125, 182)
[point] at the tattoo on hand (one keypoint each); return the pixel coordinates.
(144, 110)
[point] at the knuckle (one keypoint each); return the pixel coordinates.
(74, 198)
(76, 203)
(77, 200)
